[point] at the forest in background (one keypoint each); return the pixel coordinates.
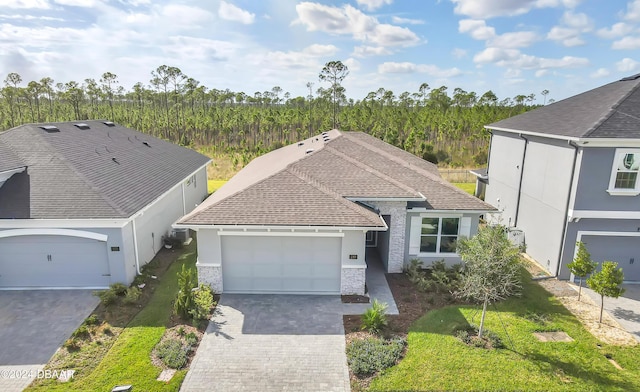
(441, 126)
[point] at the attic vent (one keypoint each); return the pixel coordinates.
(146, 144)
(326, 140)
(82, 126)
(300, 144)
(309, 151)
(632, 77)
(50, 128)
(325, 133)
(109, 123)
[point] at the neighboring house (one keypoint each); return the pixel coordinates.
(568, 172)
(298, 219)
(86, 204)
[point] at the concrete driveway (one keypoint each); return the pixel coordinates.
(272, 343)
(626, 309)
(33, 325)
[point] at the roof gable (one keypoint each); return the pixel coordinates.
(609, 111)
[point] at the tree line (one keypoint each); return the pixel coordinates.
(431, 122)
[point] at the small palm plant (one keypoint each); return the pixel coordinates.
(375, 318)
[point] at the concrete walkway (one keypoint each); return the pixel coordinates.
(272, 343)
(377, 287)
(33, 325)
(625, 310)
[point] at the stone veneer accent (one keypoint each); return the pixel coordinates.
(210, 274)
(398, 212)
(353, 279)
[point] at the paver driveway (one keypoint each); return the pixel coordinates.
(272, 343)
(33, 324)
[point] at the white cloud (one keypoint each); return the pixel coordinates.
(569, 32)
(321, 50)
(399, 20)
(513, 58)
(352, 64)
(373, 4)
(366, 51)
(512, 73)
(541, 72)
(600, 73)
(485, 9)
(351, 21)
(236, 14)
(408, 67)
(578, 21)
(201, 49)
(459, 53)
(41, 4)
(77, 3)
(627, 43)
(518, 39)
(30, 17)
(305, 58)
(617, 30)
(627, 65)
(478, 29)
(633, 11)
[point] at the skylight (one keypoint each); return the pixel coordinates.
(109, 123)
(50, 128)
(82, 126)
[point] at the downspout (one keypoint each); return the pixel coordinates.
(135, 247)
(524, 156)
(566, 213)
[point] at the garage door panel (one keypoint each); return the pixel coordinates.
(623, 250)
(53, 261)
(281, 264)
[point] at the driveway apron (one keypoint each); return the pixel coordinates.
(625, 309)
(33, 325)
(272, 343)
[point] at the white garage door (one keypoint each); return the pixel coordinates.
(53, 261)
(281, 264)
(623, 250)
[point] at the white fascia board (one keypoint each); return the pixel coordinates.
(222, 228)
(608, 142)
(543, 135)
(278, 234)
(59, 232)
(422, 210)
(150, 205)
(5, 175)
(582, 233)
(54, 288)
(62, 223)
(589, 214)
(365, 199)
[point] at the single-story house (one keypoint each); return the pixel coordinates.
(86, 204)
(299, 219)
(569, 172)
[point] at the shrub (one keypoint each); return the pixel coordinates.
(191, 339)
(132, 295)
(372, 354)
(180, 331)
(107, 297)
(81, 333)
(375, 318)
(118, 289)
(202, 303)
(172, 353)
(107, 331)
(71, 344)
(139, 279)
(186, 283)
(92, 320)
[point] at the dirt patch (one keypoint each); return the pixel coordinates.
(558, 336)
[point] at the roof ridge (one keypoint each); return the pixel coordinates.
(371, 170)
(612, 111)
(324, 189)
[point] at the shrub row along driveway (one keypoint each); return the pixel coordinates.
(272, 343)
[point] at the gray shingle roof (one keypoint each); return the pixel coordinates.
(289, 186)
(609, 111)
(8, 159)
(101, 172)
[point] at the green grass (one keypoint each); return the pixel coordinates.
(436, 360)
(128, 361)
(468, 187)
(214, 185)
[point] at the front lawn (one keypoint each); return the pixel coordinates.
(437, 360)
(469, 187)
(128, 360)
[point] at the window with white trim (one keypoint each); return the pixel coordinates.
(439, 235)
(625, 172)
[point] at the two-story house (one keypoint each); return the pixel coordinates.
(569, 172)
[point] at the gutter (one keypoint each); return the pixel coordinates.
(566, 215)
(524, 156)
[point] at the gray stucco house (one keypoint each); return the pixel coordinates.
(299, 219)
(568, 172)
(86, 204)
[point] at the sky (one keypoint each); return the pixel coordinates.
(511, 47)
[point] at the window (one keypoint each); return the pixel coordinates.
(439, 235)
(624, 175)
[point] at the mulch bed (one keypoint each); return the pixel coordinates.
(355, 299)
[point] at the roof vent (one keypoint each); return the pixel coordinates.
(82, 126)
(300, 144)
(326, 140)
(115, 160)
(146, 144)
(50, 128)
(109, 123)
(309, 151)
(632, 77)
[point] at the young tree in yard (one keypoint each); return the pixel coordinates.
(492, 268)
(582, 265)
(606, 282)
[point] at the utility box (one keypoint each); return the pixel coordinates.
(516, 236)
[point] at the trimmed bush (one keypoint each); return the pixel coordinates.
(81, 333)
(71, 344)
(372, 354)
(202, 303)
(92, 320)
(375, 318)
(107, 297)
(172, 353)
(132, 295)
(191, 339)
(118, 289)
